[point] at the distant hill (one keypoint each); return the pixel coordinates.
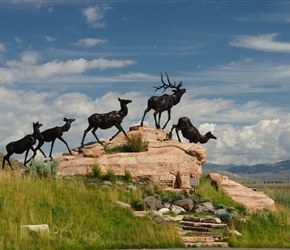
(15, 164)
(279, 171)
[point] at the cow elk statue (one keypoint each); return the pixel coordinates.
(190, 132)
(164, 102)
(107, 120)
(22, 145)
(51, 134)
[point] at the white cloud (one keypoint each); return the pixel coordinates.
(95, 15)
(262, 141)
(2, 47)
(27, 68)
(49, 39)
(90, 42)
(263, 42)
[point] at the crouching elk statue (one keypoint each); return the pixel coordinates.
(190, 132)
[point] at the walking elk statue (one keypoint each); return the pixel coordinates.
(190, 132)
(24, 144)
(51, 134)
(164, 102)
(107, 120)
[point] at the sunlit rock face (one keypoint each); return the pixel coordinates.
(252, 200)
(167, 161)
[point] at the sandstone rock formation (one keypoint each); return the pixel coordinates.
(169, 162)
(252, 200)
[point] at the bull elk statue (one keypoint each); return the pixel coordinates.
(164, 102)
(190, 132)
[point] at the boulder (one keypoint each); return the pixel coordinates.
(152, 203)
(187, 204)
(169, 161)
(252, 200)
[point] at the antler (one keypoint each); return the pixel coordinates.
(169, 85)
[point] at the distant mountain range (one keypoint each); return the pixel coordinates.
(279, 171)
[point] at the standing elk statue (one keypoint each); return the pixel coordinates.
(51, 134)
(107, 120)
(24, 144)
(190, 132)
(164, 102)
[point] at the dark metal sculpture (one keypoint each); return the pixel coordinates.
(164, 102)
(190, 132)
(50, 135)
(24, 144)
(108, 120)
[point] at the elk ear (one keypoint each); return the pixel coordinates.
(119, 99)
(64, 119)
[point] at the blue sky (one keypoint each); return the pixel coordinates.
(74, 58)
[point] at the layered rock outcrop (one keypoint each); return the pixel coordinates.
(252, 200)
(166, 161)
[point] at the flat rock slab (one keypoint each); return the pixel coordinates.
(252, 200)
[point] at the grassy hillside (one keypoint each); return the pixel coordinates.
(15, 164)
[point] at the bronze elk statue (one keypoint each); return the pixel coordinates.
(190, 132)
(51, 134)
(22, 145)
(107, 120)
(164, 102)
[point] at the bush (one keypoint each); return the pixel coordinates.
(97, 170)
(42, 169)
(134, 144)
(225, 217)
(128, 176)
(110, 175)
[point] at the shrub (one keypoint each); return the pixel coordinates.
(110, 175)
(128, 176)
(97, 170)
(134, 144)
(225, 217)
(42, 169)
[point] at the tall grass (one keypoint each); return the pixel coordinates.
(79, 217)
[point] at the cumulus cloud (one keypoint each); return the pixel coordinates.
(263, 42)
(29, 69)
(95, 15)
(258, 142)
(2, 47)
(90, 42)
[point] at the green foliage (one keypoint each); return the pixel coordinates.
(128, 177)
(178, 197)
(225, 217)
(42, 169)
(195, 198)
(97, 170)
(110, 175)
(134, 144)
(78, 216)
(166, 198)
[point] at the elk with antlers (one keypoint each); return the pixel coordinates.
(164, 102)
(190, 132)
(24, 144)
(108, 120)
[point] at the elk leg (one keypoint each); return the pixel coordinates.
(65, 144)
(169, 117)
(85, 133)
(38, 148)
(51, 147)
(6, 157)
(26, 154)
(120, 128)
(176, 129)
(145, 112)
(95, 135)
(157, 124)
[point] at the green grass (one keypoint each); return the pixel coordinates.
(134, 144)
(79, 217)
